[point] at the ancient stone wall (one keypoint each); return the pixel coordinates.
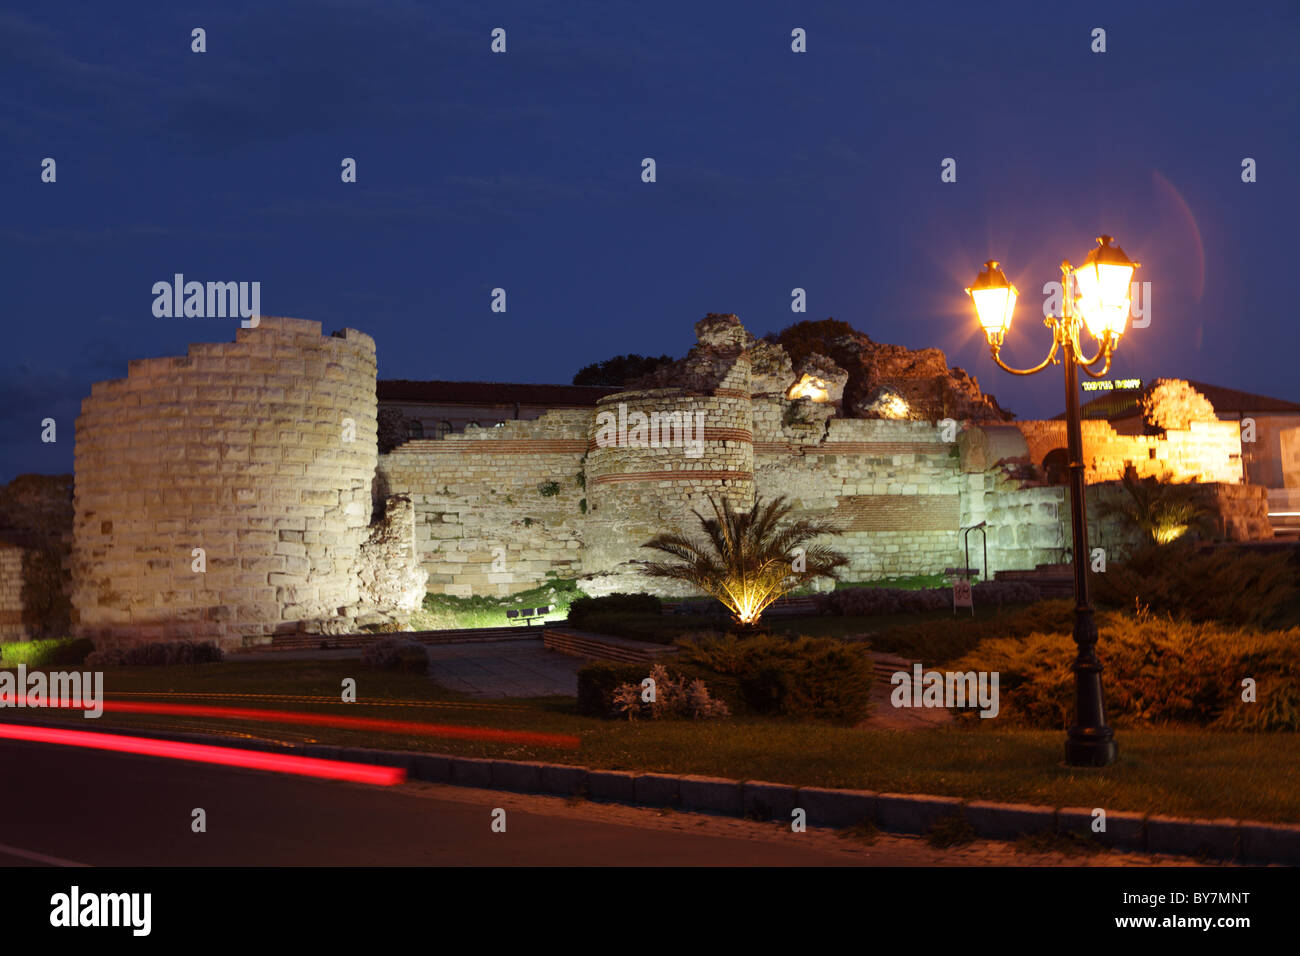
(392, 578)
(1204, 451)
(35, 557)
(497, 510)
(641, 483)
(263, 454)
(260, 452)
(13, 626)
(893, 486)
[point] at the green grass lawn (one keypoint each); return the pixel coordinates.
(909, 582)
(1171, 771)
(443, 611)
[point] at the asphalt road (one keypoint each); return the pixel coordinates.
(66, 806)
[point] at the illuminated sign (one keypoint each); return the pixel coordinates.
(1118, 385)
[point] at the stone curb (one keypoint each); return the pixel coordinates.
(1244, 840)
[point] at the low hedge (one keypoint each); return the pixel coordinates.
(651, 628)
(1158, 670)
(156, 654)
(1234, 586)
(934, 642)
(800, 677)
(584, 608)
(861, 602)
(767, 675)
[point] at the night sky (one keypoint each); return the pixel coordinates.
(522, 170)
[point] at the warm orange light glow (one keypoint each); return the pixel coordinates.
(810, 386)
(995, 300)
(895, 406)
(1104, 284)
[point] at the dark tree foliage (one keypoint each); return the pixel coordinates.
(620, 369)
(803, 338)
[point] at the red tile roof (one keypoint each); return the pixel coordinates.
(491, 393)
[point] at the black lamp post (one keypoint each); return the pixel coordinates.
(1101, 304)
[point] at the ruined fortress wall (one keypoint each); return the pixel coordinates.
(240, 449)
(893, 486)
(1204, 451)
(900, 490)
(13, 625)
(497, 510)
(637, 490)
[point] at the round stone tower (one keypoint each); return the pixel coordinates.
(226, 494)
(656, 454)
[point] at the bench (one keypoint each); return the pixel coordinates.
(527, 615)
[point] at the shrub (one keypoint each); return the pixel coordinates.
(1234, 586)
(155, 654)
(1157, 670)
(651, 628)
(396, 654)
(802, 677)
(676, 696)
(942, 640)
(54, 652)
(863, 602)
(585, 607)
(598, 681)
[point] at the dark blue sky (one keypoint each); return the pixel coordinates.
(775, 170)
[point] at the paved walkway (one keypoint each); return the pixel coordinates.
(504, 669)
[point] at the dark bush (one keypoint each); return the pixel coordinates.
(791, 677)
(585, 607)
(598, 681)
(1234, 586)
(861, 602)
(1158, 670)
(71, 653)
(651, 628)
(156, 654)
(941, 640)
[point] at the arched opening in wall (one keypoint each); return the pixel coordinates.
(442, 429)
(414, 428)
(1056, 465)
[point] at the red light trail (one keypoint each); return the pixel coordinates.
(206, 753)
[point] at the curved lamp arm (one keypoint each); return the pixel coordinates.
(1087, 369)
(996, 348)
(1105, 348)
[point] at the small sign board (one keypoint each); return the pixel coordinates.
(962, 595)
(1112, 385)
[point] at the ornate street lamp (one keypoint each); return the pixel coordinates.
(1101, 304)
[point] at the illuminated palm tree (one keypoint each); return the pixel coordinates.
(749, 558)
(1163, 512)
